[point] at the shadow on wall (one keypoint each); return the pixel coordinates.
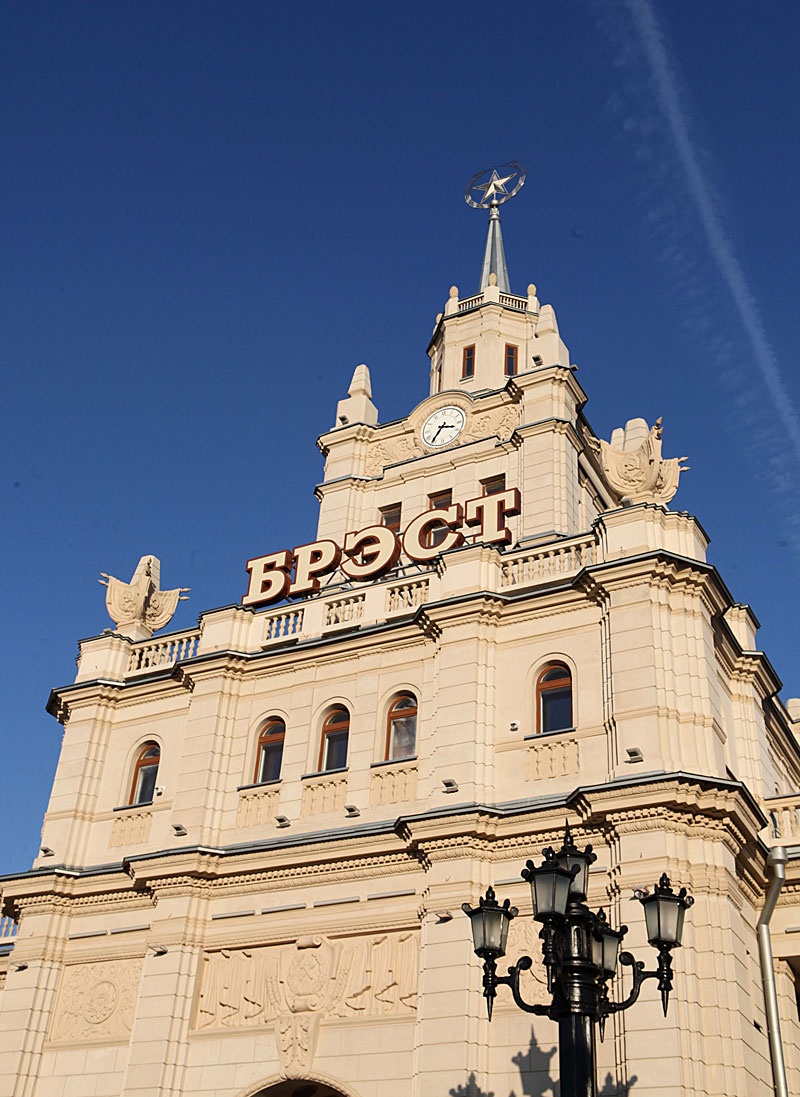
(536, 1080)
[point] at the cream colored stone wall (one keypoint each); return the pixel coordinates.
(230, 935)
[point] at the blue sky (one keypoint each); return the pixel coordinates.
(213, 212)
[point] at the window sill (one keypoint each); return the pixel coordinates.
(547, 734)
(134, 807)
(323, 773)
(394, 761)
(258, 784)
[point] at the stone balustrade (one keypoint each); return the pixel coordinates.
(282, 624)
(783, 813)
(235, 629)
(543, 564)
(163, 652)
(8, 931)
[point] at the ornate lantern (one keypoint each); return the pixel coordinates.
(664, 912)
(490, 922)
(550, 886)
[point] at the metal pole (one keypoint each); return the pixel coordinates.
(777, 858)
(576, 1056)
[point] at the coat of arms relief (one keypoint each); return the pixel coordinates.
(294, 986)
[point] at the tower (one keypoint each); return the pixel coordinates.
(262, 829)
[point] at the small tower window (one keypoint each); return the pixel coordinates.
(511, 360)
(270, 752)
(391, 516)
(145, 772)
(440, 500)
(401, 728)
(493, 485)
(468, 362)
(554, 699)
(335, 734)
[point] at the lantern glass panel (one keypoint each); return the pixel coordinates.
(542, 888)
(568, 862)
(610, 952)
(597, 951)
(650, 905)
(476, 922)
(668, 919)
(494, 922)
(679, 929)
(562, 892)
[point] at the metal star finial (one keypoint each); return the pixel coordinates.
(491, 185)
(496, 185)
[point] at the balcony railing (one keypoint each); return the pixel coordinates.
(163, 652)
(543, 564)
(783, 813)
(8, 933)
(507, 300)
(361, 606)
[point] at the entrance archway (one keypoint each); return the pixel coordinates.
(296, 1087)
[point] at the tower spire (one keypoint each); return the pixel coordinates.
(488, 190)
(494, 257)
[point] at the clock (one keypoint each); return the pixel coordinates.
(443, 427)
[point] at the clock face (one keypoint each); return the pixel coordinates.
(443, 427)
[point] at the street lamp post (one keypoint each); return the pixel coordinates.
(580, 951)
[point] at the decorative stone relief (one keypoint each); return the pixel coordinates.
(392, 784)
(361, 977)
(321, 794)
(523, 940)
(391, 452)
(256, 807)
(297, 1042)
(139, 608)
(501, 421)
(97, 1000)
(130, 828)
(551, 758)
(633, 466)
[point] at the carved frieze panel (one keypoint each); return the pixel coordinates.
(130, 828)
(551, 758)
(97, 1000)
(257, 807)
(322, 794)
(360, 977)
(393, 784)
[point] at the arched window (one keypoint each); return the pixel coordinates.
(270, 751)
(335, 733)
(145, 772)
(401, 727)
(554, 699)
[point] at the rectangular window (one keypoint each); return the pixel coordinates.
(390, 516)
(334, 755)
(468, 362)
(269, 763)
(511, 360)
(493, 485)
(440, 500)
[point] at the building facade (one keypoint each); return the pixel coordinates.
(261, 831)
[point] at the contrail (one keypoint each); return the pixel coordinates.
(701, 193)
